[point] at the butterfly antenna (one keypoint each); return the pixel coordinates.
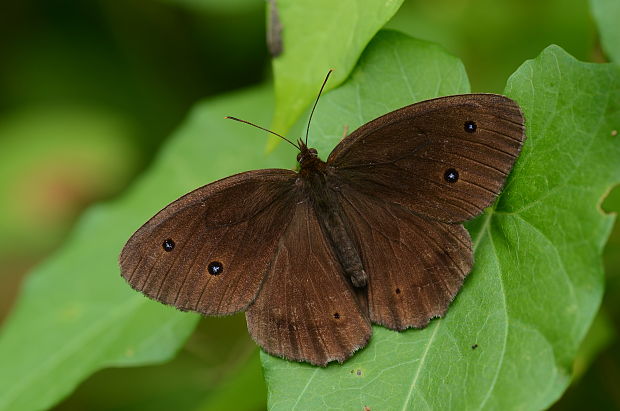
(264, 129)
(316, 101)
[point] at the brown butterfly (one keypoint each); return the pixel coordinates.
(371, 236)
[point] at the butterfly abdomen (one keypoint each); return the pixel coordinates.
(334, 225)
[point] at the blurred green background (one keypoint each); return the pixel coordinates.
(89, 90)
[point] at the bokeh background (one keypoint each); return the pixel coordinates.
(89, 91)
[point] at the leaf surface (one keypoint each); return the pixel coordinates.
(510, 336)
(319, 35)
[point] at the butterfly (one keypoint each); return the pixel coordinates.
(373, 235)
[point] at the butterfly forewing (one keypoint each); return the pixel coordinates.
(307, 309)
(445, 158)
(209, 250)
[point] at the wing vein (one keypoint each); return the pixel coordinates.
(176, 257)
(204, 287)
(135, 269)
(233, 258)
(516, 140)
(480, 143)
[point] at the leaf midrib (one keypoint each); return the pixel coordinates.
(505, 306)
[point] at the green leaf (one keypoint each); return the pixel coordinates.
(394, 71)
(76, 314)
(606, 13)
(228, 398)
(218, 358)
(537, 281)
(319, 35)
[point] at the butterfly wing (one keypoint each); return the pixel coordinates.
(233, 224)
(415, 266)
(409, 156)
(307, 310)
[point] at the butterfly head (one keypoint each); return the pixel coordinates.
(307, 156)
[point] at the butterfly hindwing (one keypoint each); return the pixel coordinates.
(445, 158)
(233, 224)
(307, 310)
(415, 266)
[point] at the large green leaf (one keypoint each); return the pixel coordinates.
(606, 13)
(537, 281)
(218, 358)
(76, 314)
(319, 35)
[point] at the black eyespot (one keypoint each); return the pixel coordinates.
(215, 268)
(168, 245)
(451, 175)
(473, 347)
(337, 316)
(470, 126)
(398, 291)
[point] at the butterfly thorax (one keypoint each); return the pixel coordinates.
(320, 187)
